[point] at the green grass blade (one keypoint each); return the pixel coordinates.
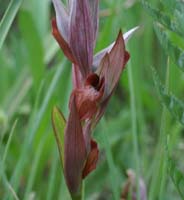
(173, 104)
(113, 175)
(34, 126)
(134, 127)
(2, 164)
(34, 45)
(177, 177)
(59, 123)
(176, 54)
(34, 166)
(163, 18)
(52, 176)
(8, 18)
(8, 143)
(160, 162)
(10, 188)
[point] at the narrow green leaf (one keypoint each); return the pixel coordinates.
(169, 5)
(157, 14)
(34, 45)
(176, 54)
(113, 172)
(8, 18)
(58, 123)
(173, 104)
(177, 177)
(173, 6)
(163, 18)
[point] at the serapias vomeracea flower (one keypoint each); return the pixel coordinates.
(94, 81)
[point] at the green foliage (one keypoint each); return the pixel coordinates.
(35, 55)
(8, 18)
(59, 123)
(171, 17)
(169, 28)
(176, 53)
(177, 177)
(173, 104)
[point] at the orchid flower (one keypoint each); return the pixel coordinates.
(95, 78)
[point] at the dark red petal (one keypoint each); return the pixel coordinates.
(98, 57)
(113, 64)
(87, 134)
(75, 154)
(91, 160)
(110, 68)
(88, 96)
(127, 57)
(62, 43)
(86, 101)
(116, 59)
(81, 35)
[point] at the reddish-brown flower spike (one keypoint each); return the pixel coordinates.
(94, 81)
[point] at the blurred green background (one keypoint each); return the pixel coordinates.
(35, 76)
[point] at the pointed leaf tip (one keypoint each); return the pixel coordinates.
(129, 33)
(98, 57)
(59, 123)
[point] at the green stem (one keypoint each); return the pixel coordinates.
(80, 194)
(134, 127)
(164, 138)
(160, 161)
(83, 190)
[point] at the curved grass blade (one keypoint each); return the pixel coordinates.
(8, 18)
(176, 10)
(59, 123)
(176, 54)
(33, 127)
(172, 103)
(33, 45)
(177, 177)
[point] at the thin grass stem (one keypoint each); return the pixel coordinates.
(134, 127)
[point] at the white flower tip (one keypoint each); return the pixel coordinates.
(129, 33)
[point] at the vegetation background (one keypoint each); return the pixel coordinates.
(143, 126)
